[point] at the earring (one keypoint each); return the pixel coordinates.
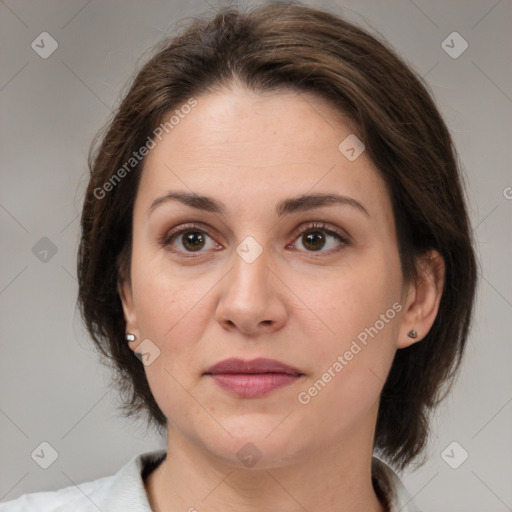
(129, 337)
(412, 334)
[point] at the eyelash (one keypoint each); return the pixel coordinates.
(168, 237)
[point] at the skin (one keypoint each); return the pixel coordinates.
(292, 303)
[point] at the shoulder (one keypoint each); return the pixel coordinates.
(79, 498)
(390, 488)
(121, 491)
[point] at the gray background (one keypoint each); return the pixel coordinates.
(52, 386)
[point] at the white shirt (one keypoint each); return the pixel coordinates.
(125, 492)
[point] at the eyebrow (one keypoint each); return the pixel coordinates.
(287, 206)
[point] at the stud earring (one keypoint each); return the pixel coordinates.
(129, 337)
(412, 334)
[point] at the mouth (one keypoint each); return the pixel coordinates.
(254, 378)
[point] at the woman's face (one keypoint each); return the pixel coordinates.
(311, 283)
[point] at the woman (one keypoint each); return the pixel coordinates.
(275, 227)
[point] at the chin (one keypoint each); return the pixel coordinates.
(256, 442)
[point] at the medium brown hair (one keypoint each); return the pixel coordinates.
(292, 46)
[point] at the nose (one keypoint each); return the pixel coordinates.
(251, 299)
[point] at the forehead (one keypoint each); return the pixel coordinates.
(252, 149)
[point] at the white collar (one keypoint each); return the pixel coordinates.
(396, 496)
(124, 491)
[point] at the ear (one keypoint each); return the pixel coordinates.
(124, 289)
(422, 299)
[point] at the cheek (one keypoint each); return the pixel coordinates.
(171, 314)
(352, 299)
(360, 305)
(165, 297)
(173, 308)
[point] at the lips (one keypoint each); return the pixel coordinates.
(260, 365)
(253, 378)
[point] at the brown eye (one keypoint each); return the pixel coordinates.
(314, 240)
(187, 240)
(321, 239)
(193, 240)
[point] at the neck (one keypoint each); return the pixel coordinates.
(330, 479)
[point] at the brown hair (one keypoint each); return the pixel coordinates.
(293, 46)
